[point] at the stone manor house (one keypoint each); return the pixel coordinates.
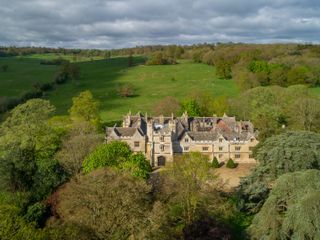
(161, 138)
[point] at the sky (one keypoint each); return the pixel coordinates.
(106, 24)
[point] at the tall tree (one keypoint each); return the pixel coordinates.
(288, 152)
(113, 204)
(85, 107)
(292, 211)
(27, 144)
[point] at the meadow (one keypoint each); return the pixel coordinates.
(103, 77)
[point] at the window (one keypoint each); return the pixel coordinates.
(251, 148)
(220, 148)
(161, 138)
(238, 148)
(250, 156)
(186, 140)
(136, 144)
(252, 139)
(186, 148)
(220, 155)
(220, 139)
(237, 156)
(161, 147)
(205, 148)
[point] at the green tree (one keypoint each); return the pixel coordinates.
(85, 107)
(14, 227)
(111, 154)
(27, 144)
(189, 187)
(298, 75)
(292, 211)
(215, 163)
(138, 165)
(288, 152)
(231, 164)
(191, 107)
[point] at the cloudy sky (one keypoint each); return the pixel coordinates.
(126, 23)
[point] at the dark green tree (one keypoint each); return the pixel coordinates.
(288, 152)
(27, 146)
(292, 210)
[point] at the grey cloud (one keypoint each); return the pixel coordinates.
(125, 23)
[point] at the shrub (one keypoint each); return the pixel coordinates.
(126, 90)
(231, 164)
(215, 163)
(37, 213)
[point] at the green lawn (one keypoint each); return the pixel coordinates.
(21, 74)
(151, 84)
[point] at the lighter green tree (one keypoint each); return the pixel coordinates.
(85, 107)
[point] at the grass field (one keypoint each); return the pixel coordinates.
(151, 84)
(102, 78)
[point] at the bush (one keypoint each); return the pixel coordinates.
(126, 90)
(37, 213)
(215, 163)
(231, 164)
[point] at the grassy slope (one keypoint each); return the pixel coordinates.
(21, 74)
(151, 84)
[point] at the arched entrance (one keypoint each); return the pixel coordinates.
(161, 161)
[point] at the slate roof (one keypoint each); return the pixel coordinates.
(203, 136)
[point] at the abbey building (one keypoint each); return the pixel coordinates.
(161, 138)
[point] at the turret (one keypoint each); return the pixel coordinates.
(150, 129)
(127, 120)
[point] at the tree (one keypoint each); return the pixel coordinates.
(138, 165)
(167, 106)
(191, 107)
(85, 107)
(79, 143)
(215, 163)
(126, 90)
(231, 164)
(111, 154)
(27, 144)
(298, 75)
(292, 210)
(305, 114)
(113, 204)
(288, 152)
(14, 227)
(189, 187)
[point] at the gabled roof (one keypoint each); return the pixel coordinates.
(203, 136)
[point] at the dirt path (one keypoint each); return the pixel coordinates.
(231, 177)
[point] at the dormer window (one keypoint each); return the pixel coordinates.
(186, 140)
(252, 139)
(220, 139)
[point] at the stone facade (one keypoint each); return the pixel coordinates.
(161, 138)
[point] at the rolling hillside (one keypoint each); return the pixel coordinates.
(103, 77)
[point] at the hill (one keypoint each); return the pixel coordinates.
(103, 77)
